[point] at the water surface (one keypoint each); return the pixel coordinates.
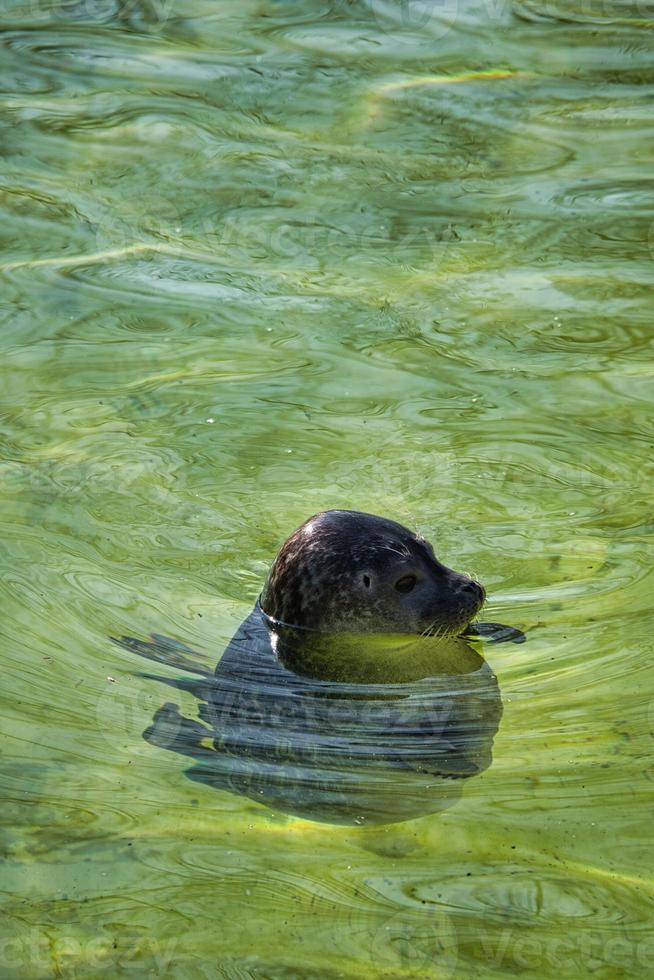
(260, 259)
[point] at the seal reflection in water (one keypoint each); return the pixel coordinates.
(348, 694)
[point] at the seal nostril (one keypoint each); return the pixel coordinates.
(366, 581)
(473, 588)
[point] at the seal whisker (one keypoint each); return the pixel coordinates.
(403, 552)
(432, 630)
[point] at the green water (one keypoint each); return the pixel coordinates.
(264, 258)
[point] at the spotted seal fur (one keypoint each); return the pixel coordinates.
(346, 571)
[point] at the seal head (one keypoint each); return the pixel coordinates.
(345, 571)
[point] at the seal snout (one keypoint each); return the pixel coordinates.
(469, 595)
(473, 589)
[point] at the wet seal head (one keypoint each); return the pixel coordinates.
(346, 571)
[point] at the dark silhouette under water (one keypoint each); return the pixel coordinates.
(340, 728)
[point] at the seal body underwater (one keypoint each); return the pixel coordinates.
(322, 705)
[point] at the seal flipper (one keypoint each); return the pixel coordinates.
(495, 633)
(171, 730)
(164, 650)
(199, 688)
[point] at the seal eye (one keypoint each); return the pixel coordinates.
(406, 583)
(366, 581)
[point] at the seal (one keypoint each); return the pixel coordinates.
(323, 704)
(347, 571)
